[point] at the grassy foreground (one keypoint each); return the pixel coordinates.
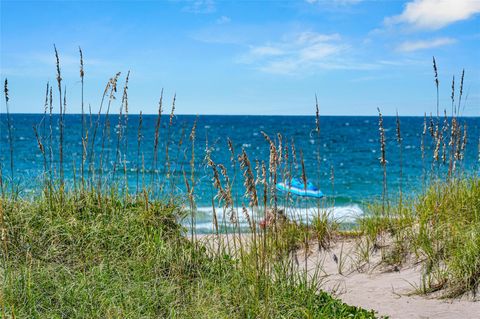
(440, 228)
(85, 256)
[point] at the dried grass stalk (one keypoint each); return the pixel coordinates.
(10, 133)
(383, 159)
(157, 135)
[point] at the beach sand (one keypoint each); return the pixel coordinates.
(368, 285)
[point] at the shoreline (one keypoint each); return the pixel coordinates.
(341, 214)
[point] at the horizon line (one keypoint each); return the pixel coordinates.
(262, 115)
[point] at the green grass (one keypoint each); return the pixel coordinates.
(440, 228)
(86, 255)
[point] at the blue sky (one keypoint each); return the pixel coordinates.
(247, 57)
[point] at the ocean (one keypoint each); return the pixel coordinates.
(343, 162)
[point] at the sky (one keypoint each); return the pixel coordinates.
(246, 57)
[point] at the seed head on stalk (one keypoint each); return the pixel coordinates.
(172, 113)
(249, 183)
(10, 133)
(382, 158)
(463, 144)
(304, 173)
(452, 97)
(435, 70)
(279, 149)
(398, 130)
(231, 149)
(461, 91)
(217, 184)
(228, 197)
(437, 144)
(247, 217)
(431, 127)
(5, 90)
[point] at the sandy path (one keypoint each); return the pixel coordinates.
(384, 291)
(373, 288)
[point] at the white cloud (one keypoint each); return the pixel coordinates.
(435, 14)
(319, 51)
(299, 52)
(200, 6)
(223, 20)
(410, 46)
(266, 51)
(313, 37)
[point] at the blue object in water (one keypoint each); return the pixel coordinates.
(297, 187)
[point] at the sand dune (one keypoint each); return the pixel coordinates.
(368, 285)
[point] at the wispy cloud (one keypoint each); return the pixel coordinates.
(223, 20)
(42, 64)
(435, 14)
(296, 52)
(266, 51)
(200, 6)
(410, 46)
(376, 78)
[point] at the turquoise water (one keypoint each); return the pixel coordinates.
(348, 145)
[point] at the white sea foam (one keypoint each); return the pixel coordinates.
(341, 214)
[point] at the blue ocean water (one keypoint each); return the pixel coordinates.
(348, 149)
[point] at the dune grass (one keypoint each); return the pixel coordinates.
(83, 256)
(439, 228)
(96, 248)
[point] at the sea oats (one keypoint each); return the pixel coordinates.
(249, 179)
(436, 83)
(157, 136)
(383, 158)
(10, 128)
